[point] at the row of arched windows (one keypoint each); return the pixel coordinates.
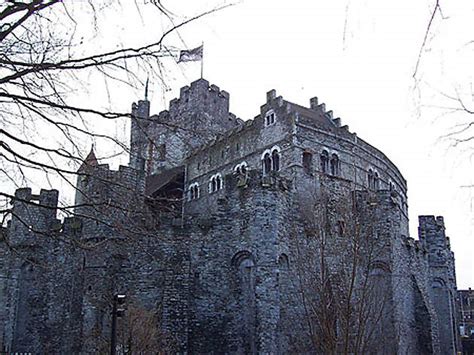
(270, 162)
(330, 164)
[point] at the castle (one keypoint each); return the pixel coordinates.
(232, 233)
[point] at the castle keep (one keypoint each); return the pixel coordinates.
(283, 234)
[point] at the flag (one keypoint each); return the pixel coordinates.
(191, 55)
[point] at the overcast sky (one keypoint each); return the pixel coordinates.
(358, 57)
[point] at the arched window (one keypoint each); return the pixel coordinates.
(376, 181)
(370, 178)
(271, 160)
(194, 191)
(245, 275)
(334, 165)
(307, 162)
(241, 168)
(214, 186)
(267, 163)
(275, 160)
(216, 183)
(324, 161)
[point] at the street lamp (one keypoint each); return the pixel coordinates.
(118, 310)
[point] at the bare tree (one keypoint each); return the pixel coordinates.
(51, 53)
(341, 275)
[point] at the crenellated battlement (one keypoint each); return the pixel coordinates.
(32, 213)
(200, 95)
(431, 232)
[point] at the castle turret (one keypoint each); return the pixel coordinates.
(84, 173)
(33, 215)
(432, 236)
(139, 133)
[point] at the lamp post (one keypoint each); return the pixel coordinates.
(118, 309)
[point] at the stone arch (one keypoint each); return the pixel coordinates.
(438, 282)
(422, 318)
(283, 262)
(379, 267)
(243, 264)
(240, 256)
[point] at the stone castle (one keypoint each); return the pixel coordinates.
(225, 230)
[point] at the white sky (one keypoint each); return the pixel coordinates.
(358, 57)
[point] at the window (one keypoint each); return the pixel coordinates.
(162, 152)
(194, 191)
(391, 186)
(271, 160)
(275, 160)
(376, 181)
(370, 178)
(267, 163)
(241, 168)
(270, 118)
(215, 183)
(373, 179)
(324, 161)
(307, 162)
(334, 164)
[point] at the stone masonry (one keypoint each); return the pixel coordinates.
(214, 228)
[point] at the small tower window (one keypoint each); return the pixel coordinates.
(334, 165)
(307, 162)
(324, 161)
(270, 118)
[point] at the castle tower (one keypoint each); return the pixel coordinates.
(33, 221)
(432, 236)
(83, 177)
(139, 133)
(160, 142)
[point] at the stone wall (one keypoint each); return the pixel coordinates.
(235, 270)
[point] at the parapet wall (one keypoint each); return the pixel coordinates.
(200, 95)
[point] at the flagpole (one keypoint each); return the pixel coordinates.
(202, 60)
